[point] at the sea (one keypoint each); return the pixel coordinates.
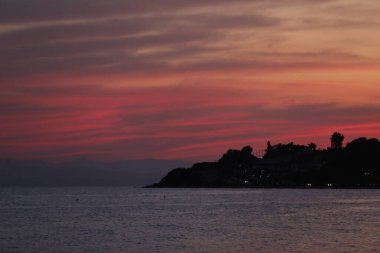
(125, 219)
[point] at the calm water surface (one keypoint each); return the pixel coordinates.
(103, 219)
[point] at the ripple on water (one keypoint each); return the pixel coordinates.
(118, 219)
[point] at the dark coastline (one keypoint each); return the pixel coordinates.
(153, 186)
(264, 187)
(354, 166)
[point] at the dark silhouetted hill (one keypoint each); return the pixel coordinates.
(357, 165)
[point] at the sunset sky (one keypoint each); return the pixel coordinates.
(180, 79)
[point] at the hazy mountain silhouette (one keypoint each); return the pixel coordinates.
(84, 172)
(357, 165)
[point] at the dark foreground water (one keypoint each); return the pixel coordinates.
(188, 220)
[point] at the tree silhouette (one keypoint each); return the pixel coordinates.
(269, 147)
(247, 150)
(337, 140)
(312, 146)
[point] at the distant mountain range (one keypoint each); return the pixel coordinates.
(85, 172)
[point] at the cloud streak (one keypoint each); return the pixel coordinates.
(137, 121)
(183, 79)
